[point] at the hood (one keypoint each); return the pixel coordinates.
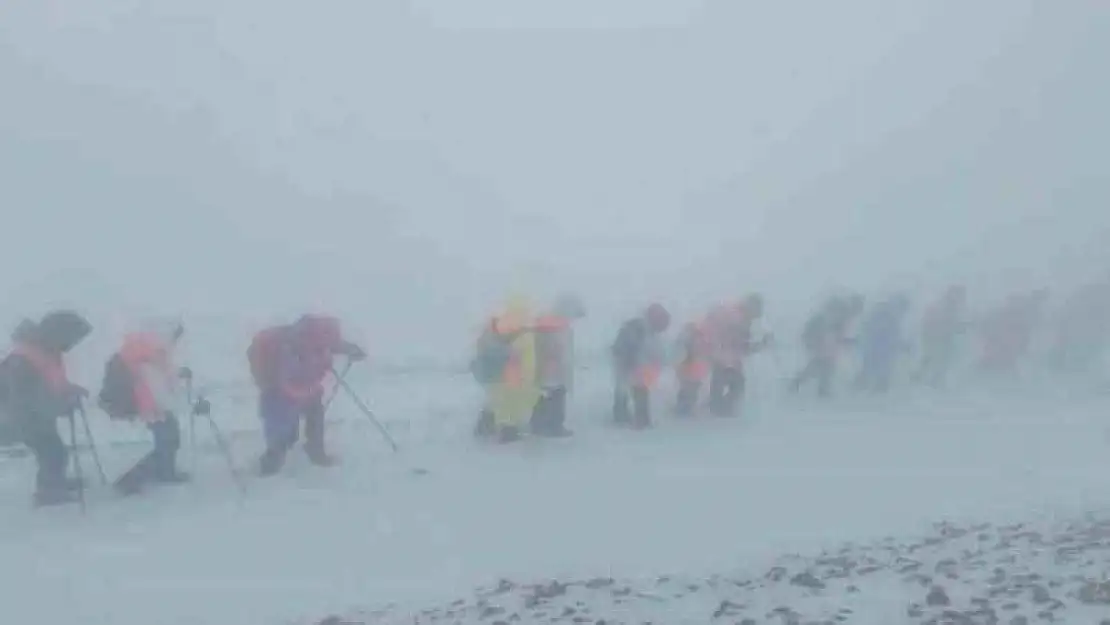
(570, 306)
(516, 315)
(168, 330)
(61, 331)
(318, 331)
(25, 331)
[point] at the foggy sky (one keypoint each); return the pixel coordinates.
(405, 163)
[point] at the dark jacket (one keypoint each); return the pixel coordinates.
(33, 387)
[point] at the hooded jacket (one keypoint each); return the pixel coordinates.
(34, 385)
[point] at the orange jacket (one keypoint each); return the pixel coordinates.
(696, 348)
(147, 357)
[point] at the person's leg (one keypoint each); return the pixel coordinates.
(641, 403)
(718, 387)
(167, 442)
(51, 456)
(280, 425)
(557, 411)
(314, 435)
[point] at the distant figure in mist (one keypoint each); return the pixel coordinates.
(1082, 329)
(693, 348)
(941, 327)
(555, 365)
(731, 341)
(881, 344)
(1007, 332)
(638, 357)
(825, 338)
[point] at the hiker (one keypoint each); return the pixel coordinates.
(693, 349)
(35, 391)
(730, 336)
(505, 365)
(1007, 332)
(638, 356)
(141, 383)
(941, 328)
(824, 337)
(555, 365)
(881, 343)
(289, 364)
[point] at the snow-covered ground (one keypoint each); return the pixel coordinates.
(706, 500)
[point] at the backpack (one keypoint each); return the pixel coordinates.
(494, 353)
(815, 332)
(262, 353)
(9, 433)
(630, 340)
(117, 391)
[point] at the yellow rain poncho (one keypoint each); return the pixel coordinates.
(513, 397)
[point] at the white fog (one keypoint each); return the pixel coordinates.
(409, 165)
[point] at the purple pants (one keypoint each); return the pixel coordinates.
(281, 421)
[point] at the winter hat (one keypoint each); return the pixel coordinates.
(62, 330)
(658, 318)
(570, 306)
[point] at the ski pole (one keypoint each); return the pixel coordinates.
(365, 410)
(204, 408)
(78, 472)
(92, 444)
(188, 376)
(335, 389)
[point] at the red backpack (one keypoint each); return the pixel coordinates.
(263, 353)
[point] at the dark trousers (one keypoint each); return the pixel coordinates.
(281, 424)
(821, 368)
(726, 388)
(632, 406)
(51, 456)
(876, 372)
(160, 464)
(687, 401)
(550, 414)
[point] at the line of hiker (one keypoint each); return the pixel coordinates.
(515, 350)
(525, 363)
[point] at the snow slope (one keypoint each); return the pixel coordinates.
(686, 498)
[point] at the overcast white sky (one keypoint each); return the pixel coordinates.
(404, 163)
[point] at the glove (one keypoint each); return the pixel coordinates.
(202, 407)
(354, 352)
(185, 373)
(72, 397)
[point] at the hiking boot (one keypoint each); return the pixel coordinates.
(553, 432)
(176, 477)
(319, 457)
(270, 462)
(128, 487)
(54, 497)
(508, 434)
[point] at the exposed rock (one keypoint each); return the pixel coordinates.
(807, 580)
(1095, 593)
(937, 597)
(727, 608)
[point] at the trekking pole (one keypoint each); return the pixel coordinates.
(92, 444)
(204, 408)
(335, 389)
(78, 472)
(365, 410)
(187, 374)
